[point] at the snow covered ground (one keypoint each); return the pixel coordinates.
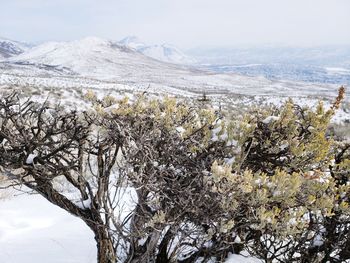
(242, 259)
(32, 230)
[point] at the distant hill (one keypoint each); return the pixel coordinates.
(163, 52)
(9, 48)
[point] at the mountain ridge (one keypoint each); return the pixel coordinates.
(9, 48)
(162, 52)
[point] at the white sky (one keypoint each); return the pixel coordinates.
(186, 23)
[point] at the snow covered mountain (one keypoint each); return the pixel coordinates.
(93, 57)
(132, 42)
(106, 66)
(164, 52)
(102, 60)
(167, 53)
(9, 48)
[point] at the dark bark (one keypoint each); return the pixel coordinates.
(105, 249)
(104, 240)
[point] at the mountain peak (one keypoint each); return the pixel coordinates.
(132, 42)
(163, 52)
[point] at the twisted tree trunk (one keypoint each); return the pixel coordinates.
(105, 249)
(104, 241)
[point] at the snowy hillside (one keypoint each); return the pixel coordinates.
(9, 48)
(164, 52)
(90, 57)
(167, 53)
(132, 42)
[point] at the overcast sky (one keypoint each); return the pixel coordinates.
(186, 23)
